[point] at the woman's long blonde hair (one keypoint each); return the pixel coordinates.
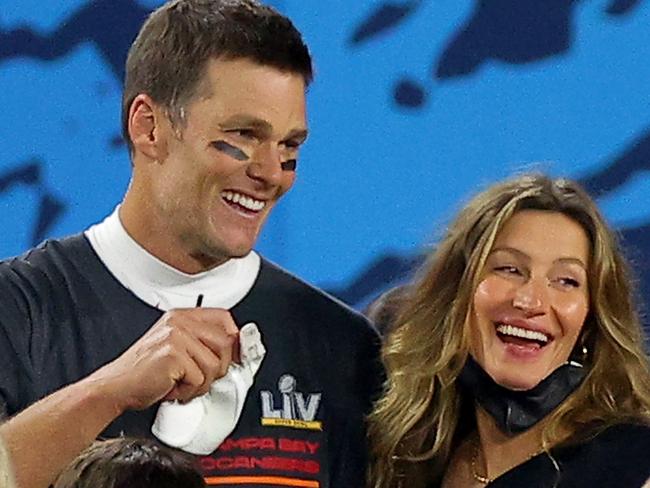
(413, 428)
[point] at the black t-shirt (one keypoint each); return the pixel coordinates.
(615, 458)
(619, 457)
(63, 315)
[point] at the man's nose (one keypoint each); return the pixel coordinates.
(266, 164)
(531, 297)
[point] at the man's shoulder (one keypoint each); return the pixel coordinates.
(284, 286)
(343, 335)
(50, 254)
(284, 282)
(53, 269)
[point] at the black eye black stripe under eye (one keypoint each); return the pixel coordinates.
(230, 150)
(289, 165)
(240, 155)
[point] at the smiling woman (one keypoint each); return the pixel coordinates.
(517, 358)
(533, 298)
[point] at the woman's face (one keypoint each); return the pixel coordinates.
(532, 300)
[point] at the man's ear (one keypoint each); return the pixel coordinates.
(147, 127)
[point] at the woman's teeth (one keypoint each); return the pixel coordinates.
(533, 335)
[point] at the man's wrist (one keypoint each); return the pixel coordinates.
(101, 393)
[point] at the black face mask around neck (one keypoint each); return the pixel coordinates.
(517, 411)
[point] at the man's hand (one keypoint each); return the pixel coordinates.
(177, 359)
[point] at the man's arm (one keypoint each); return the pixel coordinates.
(45, 437)
(6, 470)
(178, 358)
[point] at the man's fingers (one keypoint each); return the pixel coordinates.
(236, 351)
(179, 357)
(217, 316)
(210, 326)
(189, 381)
(212, 365)
(219, 333)
(201, 365)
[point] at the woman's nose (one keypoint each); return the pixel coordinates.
(531, 296)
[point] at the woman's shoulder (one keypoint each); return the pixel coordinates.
(618, 454)
(612, 457)
(624, 435)
(615, 442)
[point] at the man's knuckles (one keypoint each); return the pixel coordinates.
(216, 323)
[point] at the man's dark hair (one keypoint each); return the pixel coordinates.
(168, 58)
(130, 463)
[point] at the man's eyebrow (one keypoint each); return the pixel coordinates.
(523, 255)
(248, 121)
(260, 125)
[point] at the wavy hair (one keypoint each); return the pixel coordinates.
(416, 424)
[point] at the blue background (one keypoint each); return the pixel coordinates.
(416, 105)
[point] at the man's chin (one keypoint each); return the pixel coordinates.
(233, 251)
(240, 249)
(213, 256)
(240, 253)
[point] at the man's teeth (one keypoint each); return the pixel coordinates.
(533, 335)
(246, 202)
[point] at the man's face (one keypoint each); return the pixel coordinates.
(232, 160)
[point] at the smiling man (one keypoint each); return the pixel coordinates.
(214, 116)
(202, 191)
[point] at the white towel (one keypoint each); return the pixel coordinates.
(202, 424)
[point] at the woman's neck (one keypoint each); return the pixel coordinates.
(497, 452)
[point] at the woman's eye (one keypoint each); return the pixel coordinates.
(507, 269)
(570, 282)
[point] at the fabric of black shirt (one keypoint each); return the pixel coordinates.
(63, 315)
(617, 457)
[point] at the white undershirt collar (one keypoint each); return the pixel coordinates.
(159, 284)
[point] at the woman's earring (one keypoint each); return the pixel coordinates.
(584, 352)
(579, 356)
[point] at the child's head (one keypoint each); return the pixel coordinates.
(130, 463)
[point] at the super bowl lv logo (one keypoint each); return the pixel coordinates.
(294, 408)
